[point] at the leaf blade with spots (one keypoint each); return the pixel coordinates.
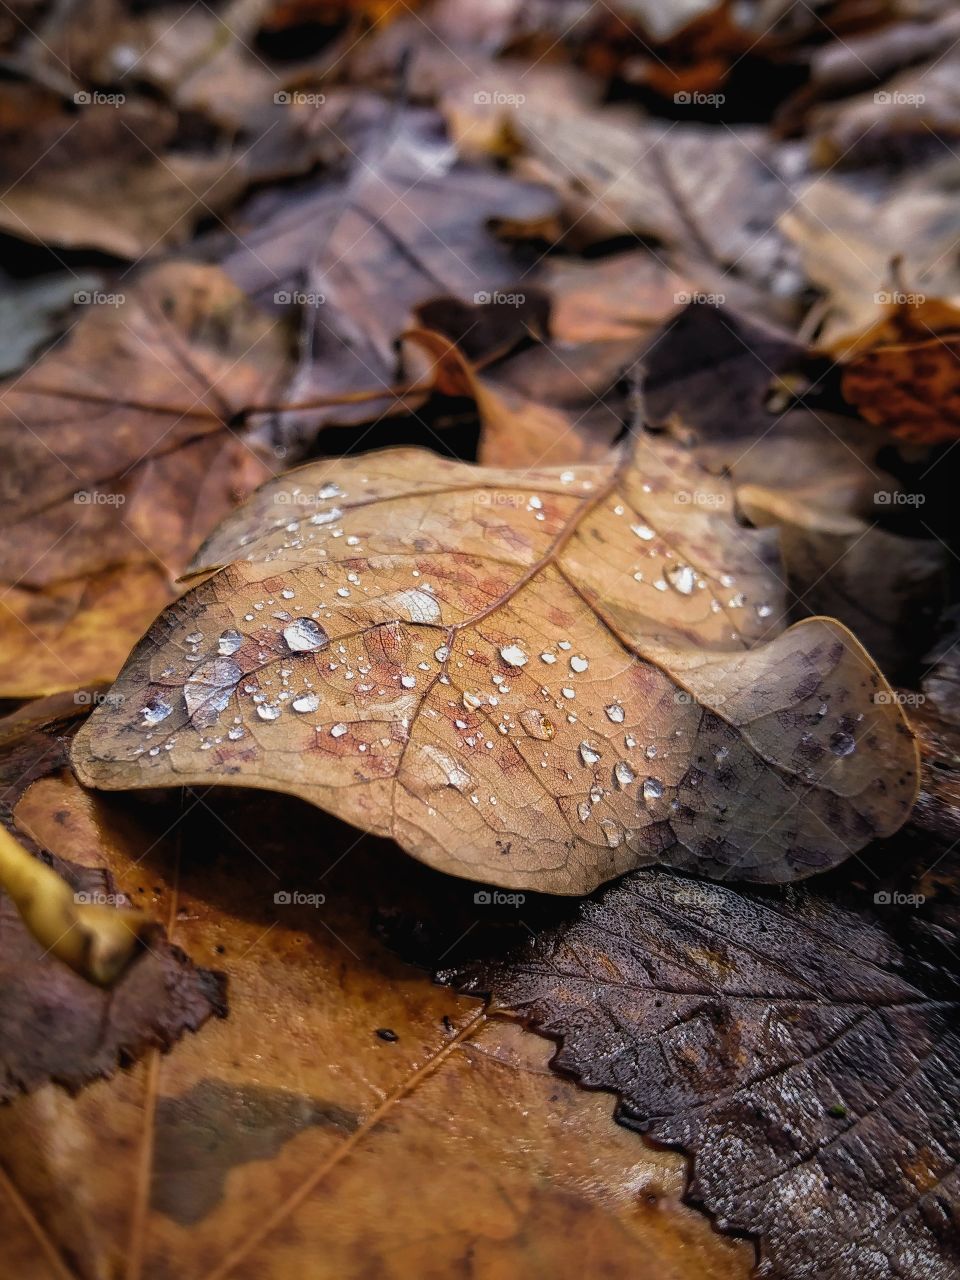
(540, 680)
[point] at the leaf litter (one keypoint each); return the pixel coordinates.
(683, 282)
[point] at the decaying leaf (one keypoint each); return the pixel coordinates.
(913, 389)
(541, 679)
(345, 1102)
(801, 1044)
(54, 1024)
(120, 451)
(713, 379)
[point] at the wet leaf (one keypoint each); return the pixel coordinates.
(542, 679)
(346, 1100)
(120, 451)
(54, 1024)
(800, 1044)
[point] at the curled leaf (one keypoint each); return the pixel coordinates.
(540, 679)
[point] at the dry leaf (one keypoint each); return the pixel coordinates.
(120, 451)
(541, 679)
(800, 1044)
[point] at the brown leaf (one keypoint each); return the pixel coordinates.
(803, 469)
(801, 1044)
(119, 453)
(517, 676)
(54, 1025)
(292, 1130)
(912, 388)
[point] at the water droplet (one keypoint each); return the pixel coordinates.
(442, 654)
(569, 693)
(330, 490)
(548, 658)
(842, 744)
(325, 517)
(408, 682)
(764, 610)
(623, 774)
(288, 593)
(306, 702)
(643, 531)
(229, 642)
(537, 724)
(304, 636)
(513, 655)
(612, 832)
(681, 577)
(338, 730)
(154, 710)
(650, 752)
(583, 811)
(652, 789)
(589, 753)
(614, 713)
(579, 663)
(268, 711)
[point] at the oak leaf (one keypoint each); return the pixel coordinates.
(541, 679)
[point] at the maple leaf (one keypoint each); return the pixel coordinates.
(805, 1033)
(119, 450)
(541, 679)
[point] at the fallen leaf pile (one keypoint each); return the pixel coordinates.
(479, 566)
